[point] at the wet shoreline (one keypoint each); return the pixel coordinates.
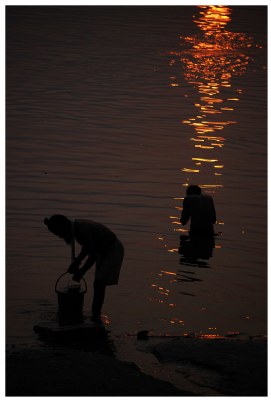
(71, 372)
(155, 367)
(228, 367)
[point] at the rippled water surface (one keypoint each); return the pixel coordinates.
(111, 113)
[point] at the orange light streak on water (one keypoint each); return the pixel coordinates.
(210, 59)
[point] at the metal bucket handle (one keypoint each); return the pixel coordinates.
(85, 283)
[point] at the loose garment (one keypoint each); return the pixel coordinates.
(200, 209)
(103, 247)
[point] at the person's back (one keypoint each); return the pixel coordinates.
(94, 234)
(200, 209)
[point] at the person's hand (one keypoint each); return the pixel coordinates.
(73, 268)
(77, 277)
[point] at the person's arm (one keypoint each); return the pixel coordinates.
(213, 213)
(185, 212)
(73, 268)
(88, 264)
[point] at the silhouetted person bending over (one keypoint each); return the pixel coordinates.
(99, 245)
(200, 209)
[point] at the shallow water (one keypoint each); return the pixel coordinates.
(111, 113)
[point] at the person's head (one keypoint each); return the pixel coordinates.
(193, 189)
(60, 226)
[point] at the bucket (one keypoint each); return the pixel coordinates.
(70, 299)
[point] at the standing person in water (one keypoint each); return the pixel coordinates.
(99, 245)
(200, 209)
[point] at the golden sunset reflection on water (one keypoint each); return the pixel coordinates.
(210, 59)
(207, 61)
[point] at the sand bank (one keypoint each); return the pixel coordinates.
(72, 367)
(63, 371)
(226, 367)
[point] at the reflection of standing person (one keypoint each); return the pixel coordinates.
(100, 245)
(200, 209)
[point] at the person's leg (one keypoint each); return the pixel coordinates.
(98, 299)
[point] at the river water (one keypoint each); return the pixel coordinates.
(111, 112)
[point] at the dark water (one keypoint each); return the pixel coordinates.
(111, 113)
